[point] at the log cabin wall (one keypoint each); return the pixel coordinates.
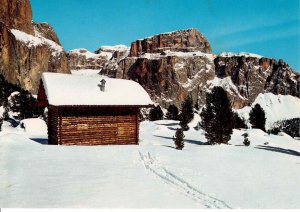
(83, 125)
(53, 125)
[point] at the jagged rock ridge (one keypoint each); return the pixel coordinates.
(183, 40)
(104, 56)
(171, 72)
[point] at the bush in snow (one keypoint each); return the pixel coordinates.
(258, 117)
(156, 113)
(18, 101)
(187, 113)
(14, 104)
(238, 122)
(290, 127)
(246, 140)
(217, 117)
(172, 113)
(178, 139)
(22, 104)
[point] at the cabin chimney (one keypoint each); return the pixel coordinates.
(102, 85)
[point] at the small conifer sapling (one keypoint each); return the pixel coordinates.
(178, 139)
(246, 140)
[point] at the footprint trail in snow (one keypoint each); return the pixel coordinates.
(180, 184)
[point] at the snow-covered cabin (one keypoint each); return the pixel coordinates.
(82, 112)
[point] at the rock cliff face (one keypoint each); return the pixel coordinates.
(27, 49)
(254, 74)
(170, 72)
(169, 78)
(46, 31)
(182, 40)
(105, 56)
(16, 14)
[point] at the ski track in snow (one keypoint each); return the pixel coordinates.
(180, 184)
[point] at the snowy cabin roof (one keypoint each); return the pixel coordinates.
(67, 90)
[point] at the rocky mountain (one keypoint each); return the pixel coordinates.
(171, 66)
(104, 56)
(254, 74)
(27, 49)
(180, 41)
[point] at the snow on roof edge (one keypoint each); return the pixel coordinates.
(73, 90)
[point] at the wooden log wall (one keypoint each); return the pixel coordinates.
(53, 126)
(94, 125)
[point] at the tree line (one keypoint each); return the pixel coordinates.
(217, 118)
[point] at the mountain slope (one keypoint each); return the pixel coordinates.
(170, 67)
(27, 49)
(276, 107)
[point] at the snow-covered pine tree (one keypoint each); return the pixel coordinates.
(289, 126)
(156, 113)
(217, 117)
(257, 117)
(172, 113)
(178, 139)
(187, 113)
(238, 122)
(14, 104)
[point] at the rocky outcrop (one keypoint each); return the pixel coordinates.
(16, 14)
(183, 40)
(25, 52)
(170, 73)
(168, 78)
(282, 80)
(84, 59)
(46, 31)
(253, 75)
(103, 58)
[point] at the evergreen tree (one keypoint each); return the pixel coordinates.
(172, 113)
(238, 122)
(257, 117)
(14, 104)
(156, 113)
(187, 113)
(217, 117)
(178, 139)
(246, 140)
(289, 126)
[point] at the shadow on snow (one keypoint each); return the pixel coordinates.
(43, 141)
(278, 149)
(185, 140)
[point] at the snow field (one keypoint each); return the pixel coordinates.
(151, 175)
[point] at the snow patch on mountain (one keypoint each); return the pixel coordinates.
(38, 40)
(226, 83)
(86, 53)
(276, 107)
(114, 48)
(168, 53)
(240, 54)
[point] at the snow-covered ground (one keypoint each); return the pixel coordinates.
(151, 175)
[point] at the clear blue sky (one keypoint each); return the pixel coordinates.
(266, 27)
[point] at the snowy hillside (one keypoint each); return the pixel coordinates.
(152, 174)
(276, 107)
